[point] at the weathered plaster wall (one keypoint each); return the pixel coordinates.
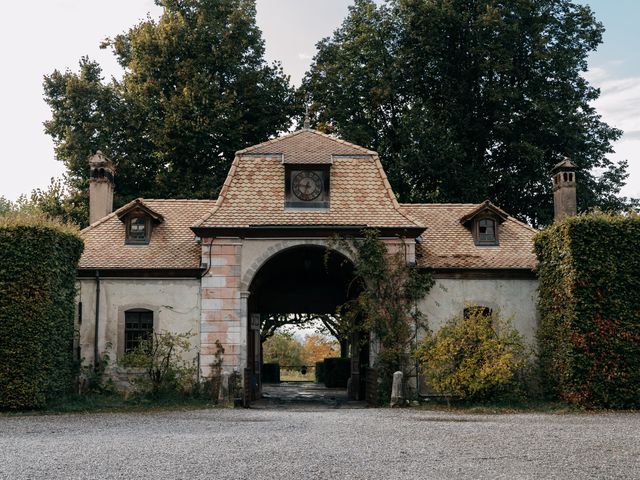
(175, 303)
(514, 298)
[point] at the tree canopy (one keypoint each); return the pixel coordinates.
(195, 89)
(470, 99)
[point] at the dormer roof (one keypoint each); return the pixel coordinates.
(483, 209)
(138, 205)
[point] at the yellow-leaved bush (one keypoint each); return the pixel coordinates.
(478, 356)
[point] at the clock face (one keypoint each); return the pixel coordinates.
(307, 185)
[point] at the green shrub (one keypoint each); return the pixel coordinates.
(589, 335)
(160, 357)
(337, 372)
(477, 357)
(38, 261)
(389, 289)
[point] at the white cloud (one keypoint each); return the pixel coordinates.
(305, 56)
(619, 105)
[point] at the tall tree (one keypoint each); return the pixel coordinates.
(470, 99)
(195, 89)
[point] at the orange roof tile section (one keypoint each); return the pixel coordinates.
(254, 193)
(172, 244)
(448, 244)
(306, 146)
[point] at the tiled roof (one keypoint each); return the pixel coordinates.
(172, 244)
(253, 194)
(306, 146)
(254, 191)
(448, 244)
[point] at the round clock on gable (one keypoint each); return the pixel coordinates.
(307, 185)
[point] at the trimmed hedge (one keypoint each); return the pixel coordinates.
(337, 372)
(589, 299)
(38, 260)
(320, 372)
(270, 373)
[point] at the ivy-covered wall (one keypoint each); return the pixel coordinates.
(38, 260)
(589, 299)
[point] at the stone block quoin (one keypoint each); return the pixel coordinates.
(221, 308)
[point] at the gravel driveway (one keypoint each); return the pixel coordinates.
(319, 444)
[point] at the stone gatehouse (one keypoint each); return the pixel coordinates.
(212, 266)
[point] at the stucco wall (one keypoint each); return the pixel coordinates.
(515, 299)
(174, 302)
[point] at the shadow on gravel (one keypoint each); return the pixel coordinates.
(304, 396)
(447, 419)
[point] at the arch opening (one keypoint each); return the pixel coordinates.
(305, 281)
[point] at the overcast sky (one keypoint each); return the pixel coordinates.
(39, 36)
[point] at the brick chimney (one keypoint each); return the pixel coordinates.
(563, 177)
(100, 186)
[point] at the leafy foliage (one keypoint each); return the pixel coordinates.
(477, 357)
(38, 260)
(195, 89)
(470, 99)
(386, 306)
(318, 347)
(325, 325)
(282, 348)
(55, 202)
(589, 336)
(160, 356)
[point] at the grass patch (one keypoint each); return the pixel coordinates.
(95, 403)
(504, 407)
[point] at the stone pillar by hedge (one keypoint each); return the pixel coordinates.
(38, 261)
(589, 286)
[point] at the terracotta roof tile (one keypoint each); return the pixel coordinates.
(306, 146)
(254, 194)
(172, 244)
(448, 244)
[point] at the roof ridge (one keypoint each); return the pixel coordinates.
(179, 199)
(303, 130)
(439, 204)
(110, 215)
(389, 190)
(522, 224)
(223, 192)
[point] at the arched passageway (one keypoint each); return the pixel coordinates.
(307, 279)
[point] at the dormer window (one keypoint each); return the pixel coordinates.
(486, 232)
(484, 223)
(138, 228)
(138, 222)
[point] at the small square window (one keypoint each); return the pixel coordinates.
(486, 232)
(138, 229)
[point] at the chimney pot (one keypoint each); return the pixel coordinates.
(563, 178)
(101, 174)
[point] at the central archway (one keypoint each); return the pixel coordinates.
(302, 279)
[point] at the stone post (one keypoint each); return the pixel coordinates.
(397, 399)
